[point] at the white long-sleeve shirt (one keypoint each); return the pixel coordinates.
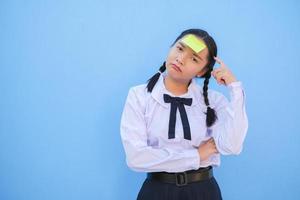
(145, 123)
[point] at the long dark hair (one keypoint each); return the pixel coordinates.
(211, 115)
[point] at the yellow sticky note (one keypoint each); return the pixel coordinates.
(194, 43)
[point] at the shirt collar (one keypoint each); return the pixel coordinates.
(159, 90)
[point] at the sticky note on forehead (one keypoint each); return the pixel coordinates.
(194, 43)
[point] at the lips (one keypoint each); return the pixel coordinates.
(176, 67)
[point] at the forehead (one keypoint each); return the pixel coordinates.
(203, 54)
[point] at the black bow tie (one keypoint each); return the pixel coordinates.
(177, 102)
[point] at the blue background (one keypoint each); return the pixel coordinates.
(66, 67)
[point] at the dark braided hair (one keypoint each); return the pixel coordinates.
(211, 115)
(153, 80)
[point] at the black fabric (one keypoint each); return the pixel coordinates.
(202, 190)
(177, 102)
(182, 178)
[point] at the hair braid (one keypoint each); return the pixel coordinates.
(211, 115)
(153, 80)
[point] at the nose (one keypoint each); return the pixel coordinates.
(180, 58)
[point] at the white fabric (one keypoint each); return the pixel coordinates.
(145, 123)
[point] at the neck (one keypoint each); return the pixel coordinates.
(176, 88)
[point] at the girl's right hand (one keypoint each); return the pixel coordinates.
(207, 148)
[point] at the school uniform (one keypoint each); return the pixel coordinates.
(161, 133)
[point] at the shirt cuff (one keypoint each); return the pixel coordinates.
(235, 84)
(236, 90)
(194, 161)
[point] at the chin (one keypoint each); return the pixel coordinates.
(176, 77)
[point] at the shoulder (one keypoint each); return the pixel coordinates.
(139, 91)
(216, 98)
(138, 95)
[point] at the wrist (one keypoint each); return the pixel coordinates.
(231, 80)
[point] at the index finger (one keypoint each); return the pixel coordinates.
(219, 61)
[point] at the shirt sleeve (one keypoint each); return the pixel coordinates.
(231, 127)
(142, 157)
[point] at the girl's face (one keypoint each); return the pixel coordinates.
(183, 63)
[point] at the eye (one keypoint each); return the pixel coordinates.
(179, 48)
(195, 60)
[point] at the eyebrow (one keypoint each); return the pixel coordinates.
(184, 46)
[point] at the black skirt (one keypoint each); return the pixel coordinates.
(202, 190)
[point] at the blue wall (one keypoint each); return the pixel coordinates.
(66, 67)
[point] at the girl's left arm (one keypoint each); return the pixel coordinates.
(231, 127)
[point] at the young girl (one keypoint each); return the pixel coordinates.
(175, 130)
